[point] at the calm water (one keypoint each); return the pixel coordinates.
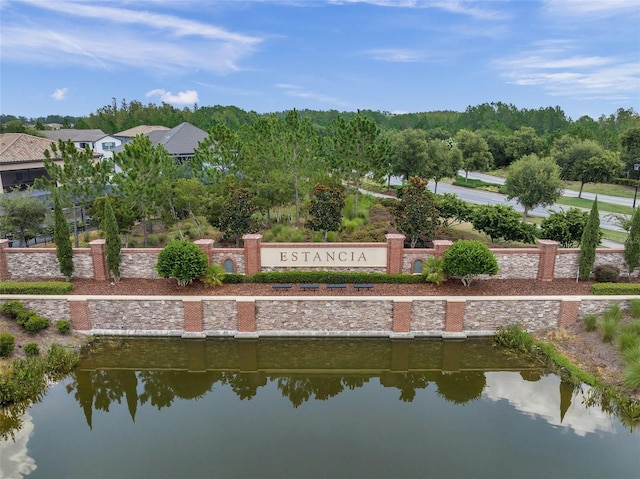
(315, 409)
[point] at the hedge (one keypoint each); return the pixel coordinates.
(615, 288)
(332, 277)
(35, 287)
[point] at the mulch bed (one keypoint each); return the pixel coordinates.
(485, 287)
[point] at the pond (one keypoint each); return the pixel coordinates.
(315, 408)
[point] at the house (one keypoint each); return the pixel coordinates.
(126, 135)
(180, 141)
(21, 160)
(97, 140)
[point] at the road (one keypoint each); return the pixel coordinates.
(482, 197)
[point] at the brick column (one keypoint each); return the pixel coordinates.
(4, 267)
(440, 246)
(569, 309)
(100, 269)
(454, 316)
(547, 261)
(79, 312)
(395, 252)
(252, 253)
(401, 316)
(206, 245)
(246, 316)
(193, 316)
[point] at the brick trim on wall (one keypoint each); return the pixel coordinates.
(246, 316)
(401, 316)
(569, 310)
(454, 316)
(193, 316)
(79, 312)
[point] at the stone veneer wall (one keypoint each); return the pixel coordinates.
(311, 316)
(30, 263)
(139, 262)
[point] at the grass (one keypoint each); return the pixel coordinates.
(590, 322)
(602, 189)
(602, 206)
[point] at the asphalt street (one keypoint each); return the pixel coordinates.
(482, 197)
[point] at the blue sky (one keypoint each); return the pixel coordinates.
(71, 57)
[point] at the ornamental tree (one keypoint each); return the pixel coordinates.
(64, 250)
(182, 260)
(589, 242)
(325, 209)
(416, 214)
(632, 243)
(22, 215)
(565, 227)
(113, 243)
(467, 259)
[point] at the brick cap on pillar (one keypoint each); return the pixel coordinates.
(396, 236)
(4, 243)
(205, 241)
(253, 236)
(544, 243)
(446, 243)
(99, 241)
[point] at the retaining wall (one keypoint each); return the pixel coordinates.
(410, 316)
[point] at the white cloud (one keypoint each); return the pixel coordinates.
(60, 94)
(188, 97)
(458, 7)
(590, 8)
(298, 92)
(395, 55)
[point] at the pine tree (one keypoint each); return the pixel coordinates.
(632, 244)
(61, 233)
(113, 243)
(590, 240)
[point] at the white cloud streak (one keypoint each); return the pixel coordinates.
(298, 92)
(188, 97)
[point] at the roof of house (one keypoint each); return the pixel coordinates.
(22, 148)
(179, 140)
(140, 130)
(65, 134)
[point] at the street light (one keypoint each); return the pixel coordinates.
(636, 167)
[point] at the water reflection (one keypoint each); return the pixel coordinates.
(315, 408)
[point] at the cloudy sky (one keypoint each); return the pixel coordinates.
(73, 57)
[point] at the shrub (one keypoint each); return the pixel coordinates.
(35, 287)
(615, 288)
(182, 260)
(608, 329)
(63, 326)
(633, 326)
(331, 277)
(631, 375)
(634, 308)
(627, 339)
(25, 316)
(433, 271)
(632, 353)
(31, 349)
(590, 322)
(233, 278)
(515, 337)
(36, 324)
(607, 273)
(613, 312)
(467, 259)
(13, 308)
(7, 343)
(214, 276)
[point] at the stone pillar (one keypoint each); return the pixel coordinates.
(206, 245)
(401, 316)
(569, 309)
(395, 252)
(79, 312)
(193, 315)
(547, 262)
(100, 268)
(454, 316)
(4, 266)
(252, 253)
(246, 316)
(440, 246)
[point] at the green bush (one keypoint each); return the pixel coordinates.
(32, 349)
(634, 308)
(433, 271)
(214, 276)
(627, 339)
(233, 278)
(631, 375)
(63, 326)
(13, 308)
(632, 353)
(590, 322)
(25, 316)
(633, 326)
(182, 260)
(467, 259)
(613, 312)
(515, 337)
(615, 288)
(608, 329)
(36, 324)
(7, 344)
(35, 287)
(607, 273)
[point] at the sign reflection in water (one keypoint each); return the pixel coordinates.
(320, 408)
